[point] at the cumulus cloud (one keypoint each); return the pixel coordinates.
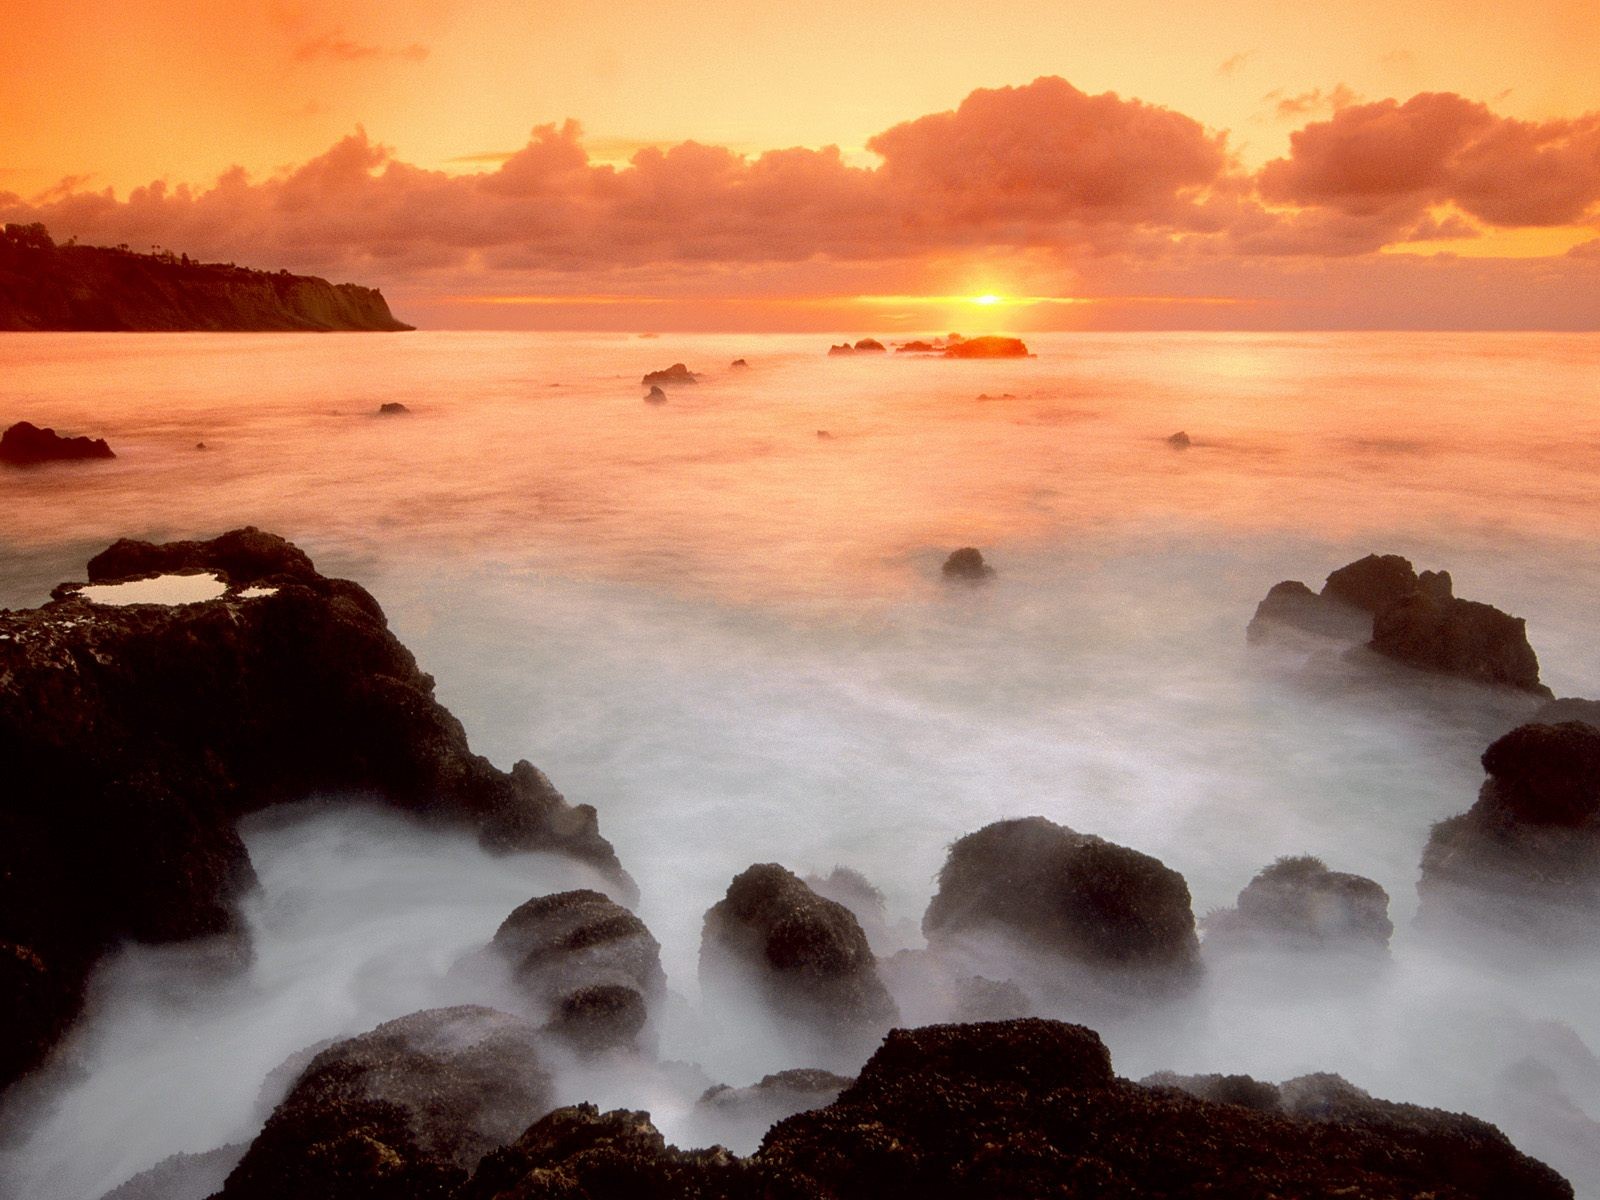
(1303, 105)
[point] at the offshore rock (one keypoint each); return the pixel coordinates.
(676, 374)
(967, 563)
(987, 347)
(1073, 896)
(1292, 604)
(1457, 637)
(135, 736)
(392, 408)
(807, 956)
(1299, 903)
(869, 346)
(25, 444)
(405, 1111)
(1180, 440)
(1526, 856)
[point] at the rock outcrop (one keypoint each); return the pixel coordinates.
(25, 444)
(1526, 857)
(392, 408)
(589, 962)
(102, 288)
(1072, 896)
(868, 346)
(1298, 903)
(655, 395)
(674, 375)
(134, 736)
(405, 1111)
(1180, 440)
(987, 347)
(807, 956)
(967, 563)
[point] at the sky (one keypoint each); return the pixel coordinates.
(837, 166)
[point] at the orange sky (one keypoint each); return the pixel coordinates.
(1259, 164)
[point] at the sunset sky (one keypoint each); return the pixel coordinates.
(837, 166)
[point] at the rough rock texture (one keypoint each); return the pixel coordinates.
(1458, 637)
(677, 373)
(967, 563)
(1526, 856)
(1298, 902)
(403, 1112)
(1025, 1109)
(987, 347)
(134, 737)
(45, 286)
(25, 444)
(808, 956)
(1069, 894)
(588, 960)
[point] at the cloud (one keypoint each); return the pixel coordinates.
(1234, 62)
(340, 48)
(1290, 108)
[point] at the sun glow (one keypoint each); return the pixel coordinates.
(987, 298)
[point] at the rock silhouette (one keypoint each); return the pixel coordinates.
(25, 444)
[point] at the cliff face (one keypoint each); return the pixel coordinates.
(91, 288)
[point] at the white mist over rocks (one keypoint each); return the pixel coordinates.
(732, 638)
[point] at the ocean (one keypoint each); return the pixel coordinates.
(721, 621)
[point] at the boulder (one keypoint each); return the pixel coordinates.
(807, 956)
(1458, 637)
(967, 564)
(405, 1111)
(586, 961)
(25, 444)
(1526, 856)
(1372, 583)
(986, 347)
(914, 348)
(676, 374)
(738, 364)
(135, 736)
(655, 395)
(868, 346)
(1298, 903)
(1179, 441)
(1072, 896)
(841, 348)
(392, 409)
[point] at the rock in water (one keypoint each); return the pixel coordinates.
(407, 1110)
(655, 395)
(841, 348)
(1292, 604)
(588, 961)
(869, 346)
(967, 563)
(1372, 583)
(134, 737)
(1299, 903)
(1180, 441)
(1071, 895)
(677, 373)
(26, 445)
(987, 347)
(1526, 856)
(738, 364)
(807, 956)
(1459, 637)
(392, 409)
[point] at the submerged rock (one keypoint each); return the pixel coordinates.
(655, 395)
(841, 348)
(1179, 441)
(677, 373)
(135, 736)
(986, 347)
(807, 956)
(738, 364)
(25, 444)
(967, 563)
(1526, 856)
(1071, 895)
(1299, 903)
(407, 1110)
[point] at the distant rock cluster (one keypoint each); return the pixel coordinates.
(25, 444)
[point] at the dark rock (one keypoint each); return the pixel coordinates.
(914, 348)
(967, 563)
(1372, 583)
(655, 395)
(869, 346)
(807, 956)
(1292, 604)
(1180, 441)
(1221, 1089)
(1458, 637)
(392, 409)
(588, 961)
(738, 364)
(199, 445)
(1299, 903)
(986, 347)
(824, 435)
(26, 445)
(841, 348)
(1568, 708)
(405, 1111)
(1072, 895)
(1526, 856)
(134, 737)
(676, 374)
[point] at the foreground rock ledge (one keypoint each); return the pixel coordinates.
(133, 738)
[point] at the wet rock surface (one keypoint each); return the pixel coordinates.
(1299, 903)
(25, 444)
(405, 1111)
(135, 736)
(1072, 896)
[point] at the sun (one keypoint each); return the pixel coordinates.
(986, 299)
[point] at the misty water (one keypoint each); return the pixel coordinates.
(730, 634)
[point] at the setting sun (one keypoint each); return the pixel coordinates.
(986, 299)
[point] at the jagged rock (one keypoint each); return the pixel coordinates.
(405, 1111)
(1180, 441)
(914, 348)
(1526, 856)
(655, 395)
(1299, 903)
(392, 409)
(868, 346)
(1221, 1089)
(676, 374)
(1372, 583)
(967, 563)
(135, 736)
(806, 955)
(1458, 637)
(25, 444)
(588, 961)
(841, 348)
(1070, 895)
(986, 347)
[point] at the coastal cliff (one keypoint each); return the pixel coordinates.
(45, 286)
